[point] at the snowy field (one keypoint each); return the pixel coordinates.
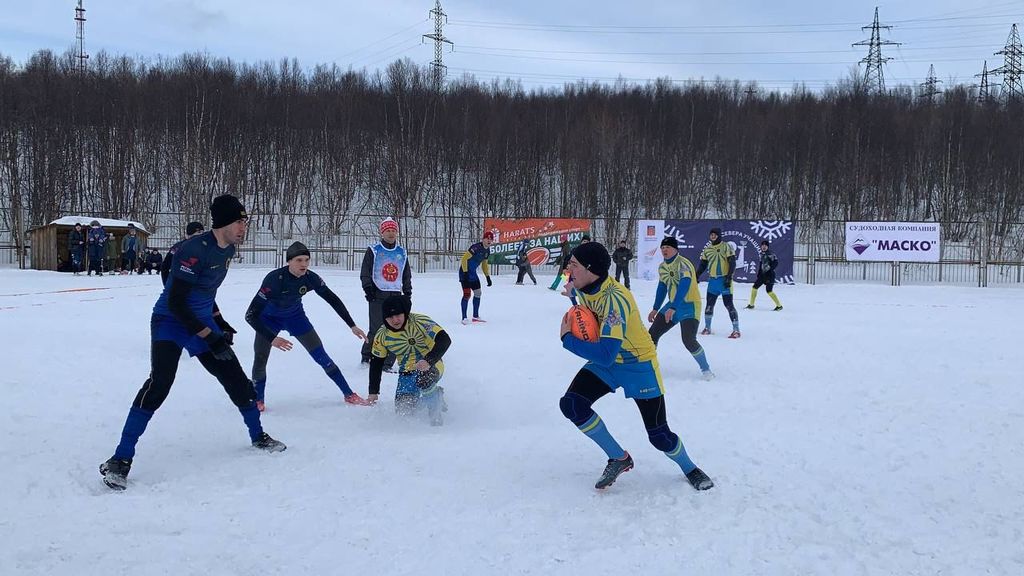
(862, 430)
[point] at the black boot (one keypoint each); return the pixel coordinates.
(265, 442)
(115, 473)
(613, 470)
(699, 480)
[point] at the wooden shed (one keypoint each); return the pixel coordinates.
(49, 243)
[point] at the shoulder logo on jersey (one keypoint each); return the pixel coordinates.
(188, 263)
(389, 271)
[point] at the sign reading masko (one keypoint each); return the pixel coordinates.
(893, 241)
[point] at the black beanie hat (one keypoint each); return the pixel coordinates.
(717, 231)
(766, 243)
(193, 227)
(670, 241)
(594, 257)
(296, 249)
(395, 304)
(226, 209)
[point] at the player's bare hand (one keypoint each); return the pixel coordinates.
(653, 314)
(566, 326)
(422, 366)
(281, 344)
(371, 399)
(359, 333)
(669, 314)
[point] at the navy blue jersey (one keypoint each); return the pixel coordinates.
(280, 299)
(199, 261)
(283, 291)
(165, 266)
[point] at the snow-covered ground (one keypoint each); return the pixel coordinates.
(863, 430)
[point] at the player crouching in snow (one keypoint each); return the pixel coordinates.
(418, 344)
(624, 357)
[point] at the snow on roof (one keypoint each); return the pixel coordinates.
(105, 222)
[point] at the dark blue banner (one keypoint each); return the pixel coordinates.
(746, 237)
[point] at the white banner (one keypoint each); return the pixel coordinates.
(648, 243)
(893, 241)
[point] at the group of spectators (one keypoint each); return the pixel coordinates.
(107, 255)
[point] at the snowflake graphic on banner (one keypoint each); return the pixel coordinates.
(771, 229)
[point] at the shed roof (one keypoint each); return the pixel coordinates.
(85, 220)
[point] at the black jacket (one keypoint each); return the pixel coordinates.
(766, 267)
(622, 256)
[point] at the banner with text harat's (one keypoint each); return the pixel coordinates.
(745, 235)
(543, 237)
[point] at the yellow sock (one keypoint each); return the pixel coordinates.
(753, 295)
(775, 298)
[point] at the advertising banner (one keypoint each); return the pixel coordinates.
(543, 236)
(744, 235)
(893, 241)
(648, 248)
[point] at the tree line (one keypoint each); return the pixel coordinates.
(133, 138)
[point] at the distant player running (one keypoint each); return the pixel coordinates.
(278, 306)
(475, 256)
(625, 357)
(765, 276)
(719, 259)
(677, 288)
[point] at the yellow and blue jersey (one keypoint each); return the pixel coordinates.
(620, 320)
(678, 288)
(410, 344)
(717, 258)
(476, 255)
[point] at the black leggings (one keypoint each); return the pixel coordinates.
(587, 388)
(709, 310)
(768, 283)
(522, 274)
(164, 356)
(261, 351)
(687, 328)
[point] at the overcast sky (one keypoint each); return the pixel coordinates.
(543, 43)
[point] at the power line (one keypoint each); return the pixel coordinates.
(620, 27)
(727, 53)
(1011, 68)
(707, 62)
(874, 75)
(694, 31)
(439, 41)
(82, 57)
(984, 91)
(390, 36)
(930, 89)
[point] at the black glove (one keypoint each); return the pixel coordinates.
(370, 295)
(488, 281)
(229, 331)
(728, 281)
(219, 346)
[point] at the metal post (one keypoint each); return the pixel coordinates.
(983, 264)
